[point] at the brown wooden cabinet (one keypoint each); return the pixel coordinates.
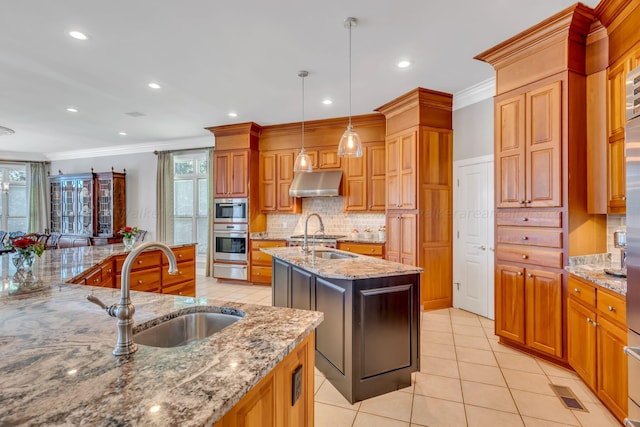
(375, 250)
(365, 180)
(231, 173)
(596, 336)
(401, 238)
(276, 175)
(270, 402)
(528, 148)
(324, 158)
(401, 156)
(261, 262)
(510, 302)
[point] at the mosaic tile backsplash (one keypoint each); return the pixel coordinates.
(614, 223)
(336, 221)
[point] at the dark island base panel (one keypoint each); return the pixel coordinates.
(369, 341)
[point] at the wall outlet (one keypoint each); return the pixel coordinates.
(296, 384)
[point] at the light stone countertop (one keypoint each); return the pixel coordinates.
(591, 268)
(357, 267)
(287, 236)
(57, 368)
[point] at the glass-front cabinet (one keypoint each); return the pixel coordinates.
(88, 204)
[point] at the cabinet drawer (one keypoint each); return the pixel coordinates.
(184, 254)
(361, 248)
(186, 271)
(582, 291)
(612, 306)
(144, 260)
(268, 244)
(146, 280)
(527, 236)
(94, 279)
(527, 218)
(527, 255)
(260, 258)
(261, 274)
(185, 289)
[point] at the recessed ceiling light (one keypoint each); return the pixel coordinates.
(404, 63)
(327, 101)
(154, 86)
(78, 35)
(72, 110)
(122, 133)
(232, 114)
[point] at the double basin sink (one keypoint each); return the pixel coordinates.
(185, 328)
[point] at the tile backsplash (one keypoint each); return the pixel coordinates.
(614, 223)
(336, 221)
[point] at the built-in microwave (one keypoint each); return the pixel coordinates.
(230, 210)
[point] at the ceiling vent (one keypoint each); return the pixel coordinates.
(6, 131)
(135, 114)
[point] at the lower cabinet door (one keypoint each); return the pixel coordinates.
(300, 289)
(509, 283)
(581, 341)
(612, 367)
(544, 311)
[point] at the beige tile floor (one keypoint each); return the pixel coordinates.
(466, 379)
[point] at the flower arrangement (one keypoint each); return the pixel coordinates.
(368, 230)
(26, 246)
(382, 228)
(355, 230)
(129, 232)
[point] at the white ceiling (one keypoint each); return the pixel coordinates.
(212, 57)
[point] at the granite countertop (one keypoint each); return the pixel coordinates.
(353, 268)
(57, 368)
(591, 268)
(287, 236)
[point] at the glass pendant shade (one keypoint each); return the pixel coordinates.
(350, 144)
(303, 162)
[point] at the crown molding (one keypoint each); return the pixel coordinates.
(119, 150)
(478, 92)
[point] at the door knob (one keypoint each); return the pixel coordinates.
(481, 247)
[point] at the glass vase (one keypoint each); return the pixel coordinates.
(128, 242)
(23, 261)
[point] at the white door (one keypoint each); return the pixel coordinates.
(473, 236)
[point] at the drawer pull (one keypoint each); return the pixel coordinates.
(179, 255)
(372, 250)
(611, 308)
(525, 238)
(524, 218)
(519, 273)
(576, 290)
(139, 261)
(525, 256)
(140, 282)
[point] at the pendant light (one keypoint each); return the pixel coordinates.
(303, 161)
(350, 144)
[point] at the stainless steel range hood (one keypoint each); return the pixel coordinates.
(316, 184)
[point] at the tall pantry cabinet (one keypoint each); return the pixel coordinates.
(541, 178)
(419, 155)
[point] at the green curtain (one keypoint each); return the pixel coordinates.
(38, 200)
(164, 198)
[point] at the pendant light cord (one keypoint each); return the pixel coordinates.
(350, 25)
(303, 113)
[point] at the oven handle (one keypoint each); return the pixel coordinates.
(633, 352)
(231, 233)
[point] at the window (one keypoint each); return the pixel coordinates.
(191, 201)
(14, 208)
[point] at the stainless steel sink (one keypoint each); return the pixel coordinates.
(333, 255)
(184, 329)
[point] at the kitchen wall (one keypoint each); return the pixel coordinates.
(330, 209)
(473, 130)
(141, 183)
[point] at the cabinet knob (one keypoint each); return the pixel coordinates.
(98, 280)
(109, 271)
(179, 255)
(576, 290)
(140, 282)
(519, 273)
(180, 293)
(139, 261)
(525, 256)
(372, 250)
(595, 324)
(624, 197)
(525, 238)
(527, 201)
(611, 308)
(529, 275)
(589, 320)
(524, 218)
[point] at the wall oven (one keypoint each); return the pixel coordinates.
(231, 242)
(230, 210)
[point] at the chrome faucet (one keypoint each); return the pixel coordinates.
(125, 309)
(305, 247)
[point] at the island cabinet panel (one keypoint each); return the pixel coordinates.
(270, 403)
(363, 319)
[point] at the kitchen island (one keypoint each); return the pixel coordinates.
(369, 341)
(57, 368)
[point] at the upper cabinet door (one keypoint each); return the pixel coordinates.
(401, 171)
(231, 173)
(543, 137)
(510, 152)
